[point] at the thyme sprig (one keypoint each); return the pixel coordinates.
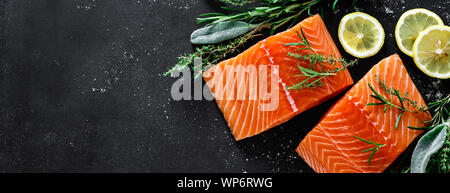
(315, 73)
(388, 103)
(213, 54)
(374, 149)
(440, 109)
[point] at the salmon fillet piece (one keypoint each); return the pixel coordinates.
(250, 89)
(331, 147)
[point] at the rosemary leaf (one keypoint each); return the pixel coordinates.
(398, 120)
(369, 104)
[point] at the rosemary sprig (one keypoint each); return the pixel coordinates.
(275, 12)
(314, 73)
(388, 103)
(374, 149)
(336, 1)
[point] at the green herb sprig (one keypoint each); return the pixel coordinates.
(388, 102)
(275, 13)
(315, 73)
(213, 54)
(374, 149)
(440, 161)
(245, 2)
(271, 2)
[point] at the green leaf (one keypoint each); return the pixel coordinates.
(429, 144)
(334, 4)
(398, 120)
(373, 104)
(294, 44)
(386, 108)
(220, 32)
(211, 14)
(419, 128)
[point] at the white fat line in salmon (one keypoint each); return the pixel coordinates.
(232, 82)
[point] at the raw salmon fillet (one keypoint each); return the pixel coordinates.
(246, 115)
(331, 146)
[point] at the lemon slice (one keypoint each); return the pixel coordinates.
(361, 35)
(431, 51)
(410, 24)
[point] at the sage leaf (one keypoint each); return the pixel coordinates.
(429, 144)
(220, 32)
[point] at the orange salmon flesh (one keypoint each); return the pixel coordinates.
(331, 147)
(239, 84)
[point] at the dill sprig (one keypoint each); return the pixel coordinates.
(212, 54)
(374, 149)
(388, 103)
(315, 73)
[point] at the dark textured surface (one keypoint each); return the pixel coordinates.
(82, 91)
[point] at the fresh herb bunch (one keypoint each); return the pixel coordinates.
(273, 13)
(374, 149)
(271, 2)
(315, 73)
(238, 2)
(404, 100)
(440, 161)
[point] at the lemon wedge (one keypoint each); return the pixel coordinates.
(431, 51)
(410, 24)
(360, 34)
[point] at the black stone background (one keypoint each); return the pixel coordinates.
(82, 89)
